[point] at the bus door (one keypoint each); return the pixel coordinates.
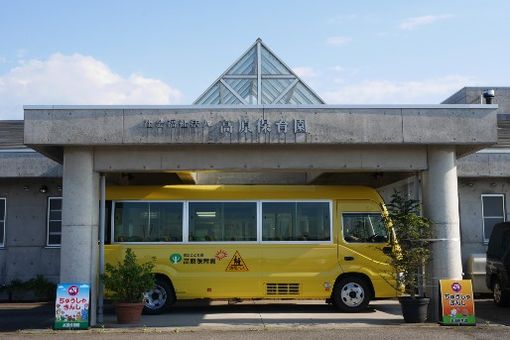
(363, 240)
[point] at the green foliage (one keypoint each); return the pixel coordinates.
(128, 280)
(413, 233)
(43, 288)
(15, 285)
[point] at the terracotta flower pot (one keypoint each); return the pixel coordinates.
(128, 312)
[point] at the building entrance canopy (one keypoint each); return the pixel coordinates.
(357, 133)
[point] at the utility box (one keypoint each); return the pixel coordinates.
(476, 272)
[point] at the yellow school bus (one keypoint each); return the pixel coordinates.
(255, 242)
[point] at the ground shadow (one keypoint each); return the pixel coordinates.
(19, 316)
(204, 306)
(487, 311)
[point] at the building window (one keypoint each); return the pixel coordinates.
(54, 221)
(493, 212)
(2, 221)
(296, 221)
(222, 221)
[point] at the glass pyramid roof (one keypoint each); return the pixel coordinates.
(258, 77)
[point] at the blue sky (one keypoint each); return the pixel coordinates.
(168, 52)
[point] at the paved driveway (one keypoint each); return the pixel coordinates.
(258, 315)
(249, 315)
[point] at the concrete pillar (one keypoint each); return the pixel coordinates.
(80, 214)
(441, 206)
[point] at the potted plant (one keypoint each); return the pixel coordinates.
(127, 281)
(412, 233)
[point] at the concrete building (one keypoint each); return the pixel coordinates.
(484, 179)
(257, 123)
(483, 184)
(28, 182)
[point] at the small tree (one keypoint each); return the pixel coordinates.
(413, 233)
(128, 280)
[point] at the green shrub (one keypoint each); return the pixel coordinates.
(42, 288)
(413, 233)
(128, 280)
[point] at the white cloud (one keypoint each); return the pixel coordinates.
(340, 74)
(412, 23)
(429, 91)
(304, 72)
(341, 70)
(338, 40)
(76, 79)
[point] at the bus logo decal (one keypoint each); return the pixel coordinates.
(221, 254)
(175, 258)
(236, 264)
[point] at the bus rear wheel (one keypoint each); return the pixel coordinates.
(351, 294)
(159, 298)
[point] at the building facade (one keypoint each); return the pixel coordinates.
(258, 123)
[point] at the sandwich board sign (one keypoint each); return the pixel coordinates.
(72, 306)
(457, 303)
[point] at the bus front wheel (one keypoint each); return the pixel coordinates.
(160, 298)
(351, 294)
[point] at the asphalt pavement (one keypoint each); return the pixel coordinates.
(257, 320)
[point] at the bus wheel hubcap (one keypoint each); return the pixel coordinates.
(352, 294)
(155, 298)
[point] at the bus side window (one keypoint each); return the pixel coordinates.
(364, 228)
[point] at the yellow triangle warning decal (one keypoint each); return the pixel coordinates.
(236, 264)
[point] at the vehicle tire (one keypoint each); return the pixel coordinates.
(351, 294)
(500, 295)
(160, 298)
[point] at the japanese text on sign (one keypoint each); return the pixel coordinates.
(227, 127)
(262, 126)
(72, 306)
(173, 124)
(457, 303)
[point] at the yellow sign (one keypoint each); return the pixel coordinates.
(236, 264)
(457, 304)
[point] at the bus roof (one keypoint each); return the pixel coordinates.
(241, 192)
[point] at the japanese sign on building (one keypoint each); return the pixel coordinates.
(263, 126)
(173, 124)
(457, 304)
(225, 127)
(72, 306)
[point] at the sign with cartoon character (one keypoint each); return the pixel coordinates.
(72, 306)
(457, 304)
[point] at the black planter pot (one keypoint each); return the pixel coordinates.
(414, 310)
